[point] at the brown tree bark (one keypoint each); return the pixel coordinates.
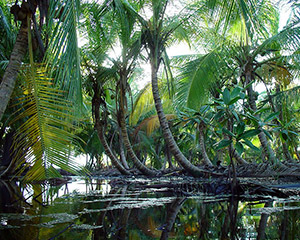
(170, 141)
(122, 121)
(252, 103)
(122, 152)
(202, 145)
(99, 128)
(12, 70)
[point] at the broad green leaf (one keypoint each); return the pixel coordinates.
(240, 128)
(226, 96)
(228, 132)
(223, 143)
(239, 147)
(234, 113)
(250, 145)
(234, 100)
(249, 133)
(235, 92)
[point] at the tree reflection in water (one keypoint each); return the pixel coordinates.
(128, 212)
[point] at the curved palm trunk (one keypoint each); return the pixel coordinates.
(202, 145)
(12, 70)
(285, 149)
(180, 158)
(108, 150)
(122, 153)
(262, 136)
(99, 129)
(137, 163)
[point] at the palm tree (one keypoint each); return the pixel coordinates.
(46, 117)
(17, 55)
(236, 54)
(130, 48)
(155, 36)
(99, 78)
(100, 125)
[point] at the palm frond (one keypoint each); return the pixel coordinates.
(286, 40)
(150, 124)
(42, 140)
(144, 103)
(195, 80)
(63, 54)
(254, 15)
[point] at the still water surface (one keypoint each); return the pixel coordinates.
(109, 209)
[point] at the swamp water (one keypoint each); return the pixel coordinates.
(140, 209)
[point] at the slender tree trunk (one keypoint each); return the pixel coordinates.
(122, 152)
(99, 129)
(168, 156)
(122, 121)
(252, 103)
(202, 145)
(169, 139)
(12, 70)
(285, 149)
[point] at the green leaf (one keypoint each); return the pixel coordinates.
(249, 133)
(240, 128)
(219, 115)
(226, 96)
(239, 147)
(234, 100)
(234, 113)
(248, 85)
(267, 134)
(236, 91)
(250, 145)
(228, 132)
(271, 117)
(223, 143)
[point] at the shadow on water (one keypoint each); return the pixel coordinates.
(113, 209)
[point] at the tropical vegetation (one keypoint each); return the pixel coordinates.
(72, 74)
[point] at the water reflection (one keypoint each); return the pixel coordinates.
(105, 209)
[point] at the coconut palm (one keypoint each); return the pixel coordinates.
(238, 57)
(155, 34)
(130, 48)
(46, 116)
